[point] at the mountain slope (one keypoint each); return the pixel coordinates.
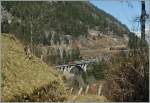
(44, 19)
(23, 79)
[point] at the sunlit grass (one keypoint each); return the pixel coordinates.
(87, 98)
(21, 75)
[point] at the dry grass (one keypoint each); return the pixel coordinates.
(21, 75)
(88, 98)
(101, 46)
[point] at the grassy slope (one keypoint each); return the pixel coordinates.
(21, 75)
(100, 46)
(87, 98)
(91, 98)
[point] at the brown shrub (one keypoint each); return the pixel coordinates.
(127, 79)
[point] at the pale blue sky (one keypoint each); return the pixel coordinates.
(123, 11)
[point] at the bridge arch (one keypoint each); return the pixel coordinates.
(79, 68)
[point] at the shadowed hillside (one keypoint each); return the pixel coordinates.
(44, 19)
